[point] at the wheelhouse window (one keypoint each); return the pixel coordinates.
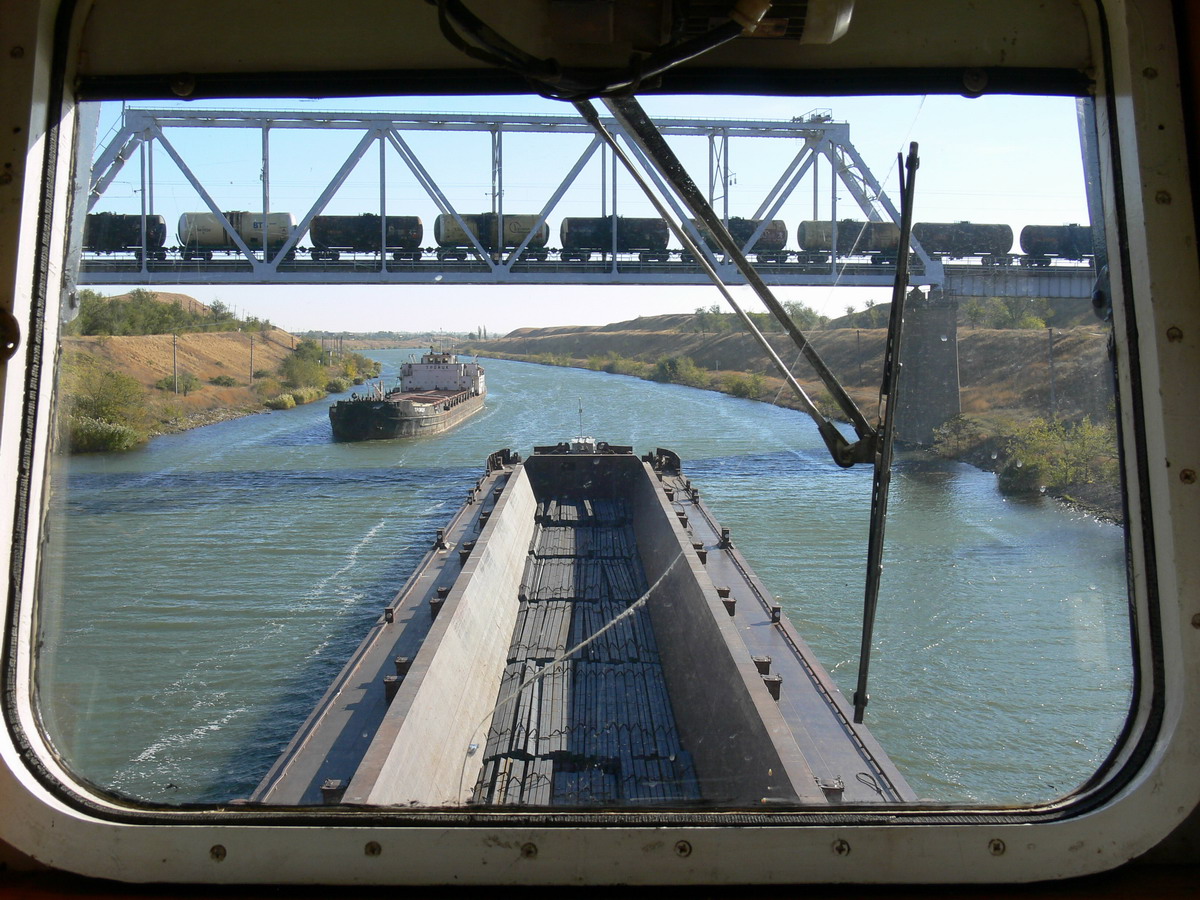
(404, 456)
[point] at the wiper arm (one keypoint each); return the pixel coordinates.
(638, 126)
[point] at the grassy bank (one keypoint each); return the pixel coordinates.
(113, 397)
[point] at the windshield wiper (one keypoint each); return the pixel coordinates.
(874, 441)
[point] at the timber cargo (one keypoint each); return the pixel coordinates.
(583, 633)
(434, 395)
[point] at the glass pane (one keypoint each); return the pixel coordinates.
(261, 581)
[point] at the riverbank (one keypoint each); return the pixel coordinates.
(1000, 396)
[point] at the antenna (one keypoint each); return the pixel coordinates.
(580, 416)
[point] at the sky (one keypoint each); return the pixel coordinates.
(1013, 160)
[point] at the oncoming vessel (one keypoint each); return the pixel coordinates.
(434, 395)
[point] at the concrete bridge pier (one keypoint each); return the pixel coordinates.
(928, 392)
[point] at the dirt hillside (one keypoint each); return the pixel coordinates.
(148, 358)
(999, 369)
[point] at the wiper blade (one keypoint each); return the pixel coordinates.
(881, 482)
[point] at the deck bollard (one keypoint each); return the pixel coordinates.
(773, 683)
(403, 664)
(776, 612)
(332, 791)
(391, 684)
(763, 663)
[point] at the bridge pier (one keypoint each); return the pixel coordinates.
(928, 392)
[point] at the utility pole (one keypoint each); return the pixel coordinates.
(1050, 353)
(175, 360)
(251, 358)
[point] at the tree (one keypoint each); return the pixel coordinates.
(803, 315)
(109, 397)
(303, 371)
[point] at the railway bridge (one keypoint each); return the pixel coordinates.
(817, 162)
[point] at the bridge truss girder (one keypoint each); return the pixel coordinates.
(818, 139)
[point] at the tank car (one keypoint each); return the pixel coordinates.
(581, 235)
(361, 234)
(959, 239)
(1041, 242)
(854, 238)
(200, 233)
(454, 243)
(770, 242)
(108, 232)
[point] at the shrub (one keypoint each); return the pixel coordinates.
(261, 373)
(307, 395)
(1052, 455)
(337, 385)
(88, 435)
(281, 401)
(223, 381)
(744, 385)
(302, 370)
(679, 370)
(187, 383)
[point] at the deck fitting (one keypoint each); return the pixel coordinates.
(773, 683)
(391, 684)
(332, 791)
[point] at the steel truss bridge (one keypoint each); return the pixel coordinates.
(820, 144)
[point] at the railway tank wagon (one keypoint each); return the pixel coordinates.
(1041, 243)
(770, 244)
(493, 234)
(202, 233)
(108, 232)
(991, 243)
(333, 235)
(583, 235)
(854, 238)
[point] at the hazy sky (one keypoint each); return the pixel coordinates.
(1011, 160)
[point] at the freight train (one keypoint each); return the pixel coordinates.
(460, 238)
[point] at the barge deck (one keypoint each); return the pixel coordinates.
(583, 633)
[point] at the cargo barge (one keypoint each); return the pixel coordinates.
(433, 395)
(583, 634)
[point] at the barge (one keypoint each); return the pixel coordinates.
(583, 633)
(433, 395)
